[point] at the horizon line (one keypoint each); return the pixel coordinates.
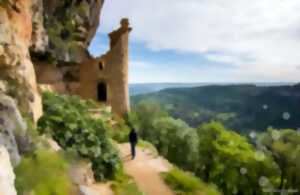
(225, 82)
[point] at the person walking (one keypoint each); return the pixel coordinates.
(133, 138)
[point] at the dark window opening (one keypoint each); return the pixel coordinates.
(64, 34)
(102, 92)
(68, 76)
(78, 2)
(101, 65)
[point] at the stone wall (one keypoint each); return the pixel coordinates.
(113, 74)
(117, 62)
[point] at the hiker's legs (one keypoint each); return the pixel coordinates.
(132, 149)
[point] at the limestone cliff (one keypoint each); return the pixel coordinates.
(62, 32)
(49, 38)
(17, 76)
(63, 29)
(7, 175)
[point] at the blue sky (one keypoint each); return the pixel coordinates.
(207, 40)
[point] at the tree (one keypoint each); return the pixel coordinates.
(284, 147)
(174, 139)
(226, 159)
(143, 115)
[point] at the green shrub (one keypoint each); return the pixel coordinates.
(120, 136)
(43, 173)
(121, 131)
(68, 120)
(184, 183)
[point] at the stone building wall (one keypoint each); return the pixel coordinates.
(109, 71)
(89, 77)
(117, 63)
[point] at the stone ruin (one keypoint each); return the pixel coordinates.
(103, 79)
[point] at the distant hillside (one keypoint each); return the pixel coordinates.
(142, 88)
(242, 108)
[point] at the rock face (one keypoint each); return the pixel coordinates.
(54, 36)
(17, 75)
(82, 174)
(39, 38)
(70, 26)
(12, 128)
(62, 32)
(7, 176)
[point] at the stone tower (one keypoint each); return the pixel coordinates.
(117, 69)
(105, 78)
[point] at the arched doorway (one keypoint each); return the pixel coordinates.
(102, 92)
(101, 65)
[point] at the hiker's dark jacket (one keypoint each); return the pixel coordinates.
(133, 137)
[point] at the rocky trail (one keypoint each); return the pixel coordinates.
(145, 170)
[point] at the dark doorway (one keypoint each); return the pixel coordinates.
(101, 65)
(102, 92)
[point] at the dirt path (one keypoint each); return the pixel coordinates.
(145, 170)
(100, 189)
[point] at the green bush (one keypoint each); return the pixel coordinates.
(68, 120)
(184, 183)
(43, 173)
(121, 131)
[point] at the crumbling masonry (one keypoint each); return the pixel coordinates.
(105, 78)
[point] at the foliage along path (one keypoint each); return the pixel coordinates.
(146, 170)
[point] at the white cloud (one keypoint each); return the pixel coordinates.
(265, 31)
(224, 59)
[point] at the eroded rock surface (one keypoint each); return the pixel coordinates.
(7, 176)
(17, 74)
(70, 26)
(12, 128)
(82, 174)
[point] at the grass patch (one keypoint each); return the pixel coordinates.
(120, 136)
(43, 173)
(148, 145)
(184, 183)
(121, 130)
